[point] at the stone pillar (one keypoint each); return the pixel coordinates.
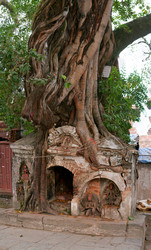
(75, 206)
(23, 152)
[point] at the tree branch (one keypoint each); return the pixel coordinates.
(129, 32)
(8, 6)
(148, 44)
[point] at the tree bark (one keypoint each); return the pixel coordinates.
(76, 40)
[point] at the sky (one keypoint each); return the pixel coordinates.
(131, 59)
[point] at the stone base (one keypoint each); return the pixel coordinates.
(112, 184)
(75, 224)
(5, 200)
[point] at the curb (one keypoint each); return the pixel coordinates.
(77, 224)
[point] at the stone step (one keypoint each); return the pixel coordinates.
(74, 224)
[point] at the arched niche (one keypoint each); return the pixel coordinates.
(100, 194)
(59, 183)
(114, 177)
(23, 184)
(24, 173)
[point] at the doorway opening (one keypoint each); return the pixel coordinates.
(60, 189)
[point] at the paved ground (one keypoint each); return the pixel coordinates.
(41, 232)
(148, 233)
(14, 238)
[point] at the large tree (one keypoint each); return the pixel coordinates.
(76, 41)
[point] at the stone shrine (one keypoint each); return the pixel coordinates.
(108, 192)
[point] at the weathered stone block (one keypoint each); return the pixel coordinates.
(110, 213)
(75, 206)
(116, 160)
(103, 160)
(34, 221)
(4, 219)
(113, 228)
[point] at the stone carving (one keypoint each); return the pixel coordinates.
(111, 144)
(64, 138)
(90, 204)
(111, 195)
(106, 195)
(20, 192)
(23, 184)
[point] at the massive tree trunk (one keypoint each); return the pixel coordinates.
(76, 41)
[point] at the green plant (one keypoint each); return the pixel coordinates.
(123, 100)
(149, 104)
(125, 10)
(15, 26)
(67, 84)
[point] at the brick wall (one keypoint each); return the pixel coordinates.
(145, 141)
(94, 187)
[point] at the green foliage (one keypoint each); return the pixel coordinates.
(64, 77)
(67, 84)
(28, 127)
(14, 58)
(131, 218)
(146, 72)
(24, 9)
(39, 81)
(149, 104)
(15, 28)
(125, 10)
(119, 95)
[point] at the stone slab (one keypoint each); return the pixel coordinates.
(31, 220)
(75, 224)
(27, 238)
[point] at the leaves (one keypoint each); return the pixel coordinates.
(39, 81)
(14, 58)
(15, 29)
(131, 218)
(127, 10)
(64, 77)
(149, 104)
(67, 84)
(123, 100)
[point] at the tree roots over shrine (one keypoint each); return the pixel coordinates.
(76, 41)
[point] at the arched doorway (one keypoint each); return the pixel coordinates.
(63, 183)
(60, 188)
